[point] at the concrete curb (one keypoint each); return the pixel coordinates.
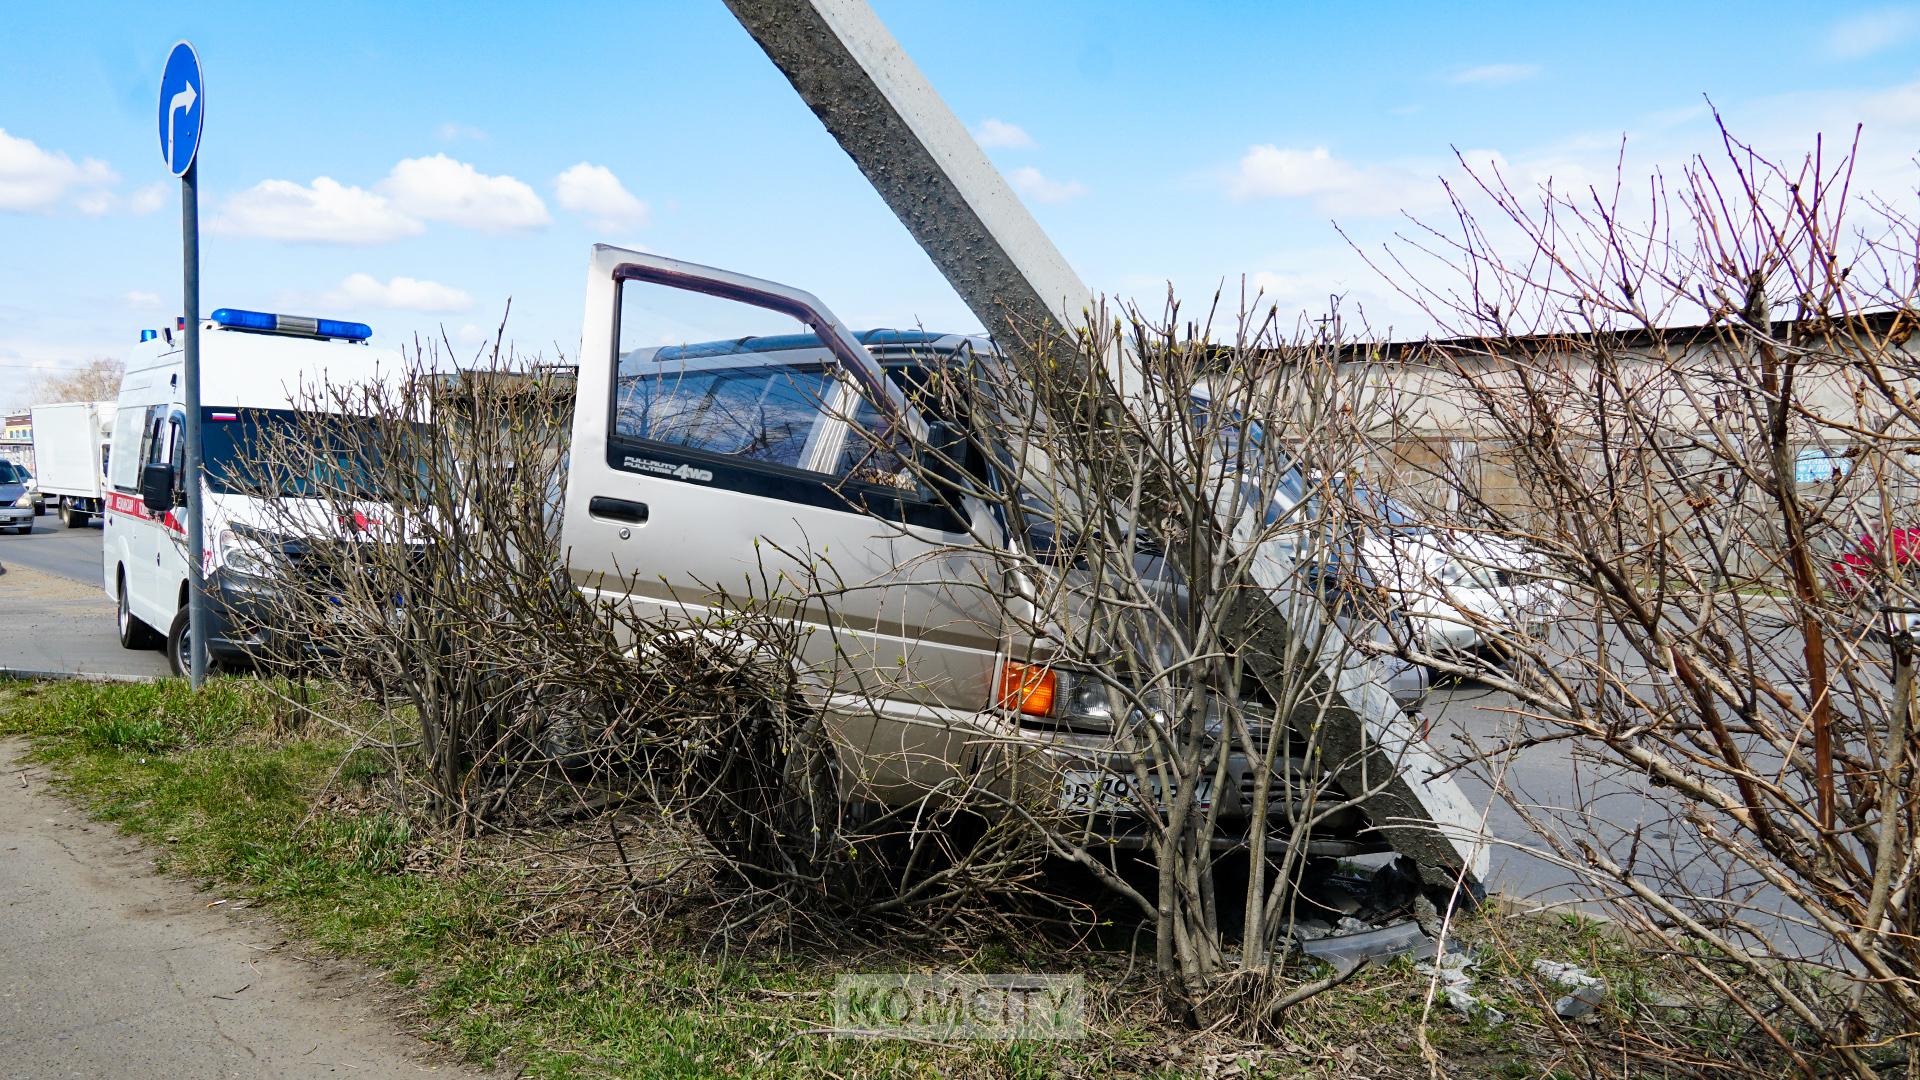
(9, 674)
(1519, 907)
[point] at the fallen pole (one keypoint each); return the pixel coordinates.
(924, 164)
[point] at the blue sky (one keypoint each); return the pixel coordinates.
(413, 166)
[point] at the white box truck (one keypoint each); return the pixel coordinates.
(71, 447)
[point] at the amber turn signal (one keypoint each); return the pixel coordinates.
(1028, 688)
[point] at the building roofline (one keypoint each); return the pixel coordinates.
(1897, 324)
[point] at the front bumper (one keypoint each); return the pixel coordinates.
(238, 610)
(12, 517)
(906, 753)
(251, 617)
(1466, 619)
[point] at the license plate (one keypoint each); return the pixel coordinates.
(1089, 792)
(339, 614)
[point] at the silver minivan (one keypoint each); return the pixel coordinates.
(716, 447)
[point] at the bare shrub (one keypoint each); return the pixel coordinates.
(1737, 741)
(1170, 556)
(406, 545)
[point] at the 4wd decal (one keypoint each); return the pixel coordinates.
(663, 468)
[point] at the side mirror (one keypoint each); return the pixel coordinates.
(156, 487)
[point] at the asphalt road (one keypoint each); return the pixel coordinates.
(55, 549)
(1556, 787)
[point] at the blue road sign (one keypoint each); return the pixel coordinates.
(182, 108)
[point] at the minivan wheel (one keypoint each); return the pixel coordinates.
(134, 634)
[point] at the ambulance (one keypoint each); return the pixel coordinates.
(259, 373)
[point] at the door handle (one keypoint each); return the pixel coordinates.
(603, 506)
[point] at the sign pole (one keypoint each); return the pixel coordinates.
(190, 400)
(183, 114)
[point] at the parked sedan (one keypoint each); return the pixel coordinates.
(16, 504)
(14, 472)
(1861, 568)
(1459, 590)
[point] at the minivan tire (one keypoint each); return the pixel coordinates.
(134, 634)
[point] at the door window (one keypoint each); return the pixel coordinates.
(129, 433)
(153, 438)
(768, 412)
(714, 381)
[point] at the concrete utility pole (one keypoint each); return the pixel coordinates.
(920, 158)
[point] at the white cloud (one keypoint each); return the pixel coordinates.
(594, 190)
(99, 202)
(1000, 135)
(1269, 172)
(402, 293)
(438, 188)
(25, 361)
(1870, 32)
(1040, 188)
(36, 179)
(149, 198)
(1494, 74)
(453, 132)
(326, 211)
(138, 299)
(1339, 186)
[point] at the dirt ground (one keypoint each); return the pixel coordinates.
(109, 969)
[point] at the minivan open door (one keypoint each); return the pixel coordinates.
(730, 430)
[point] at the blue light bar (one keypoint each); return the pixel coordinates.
(294, 325)
(246, 320)
(351, 331)
(149, 335)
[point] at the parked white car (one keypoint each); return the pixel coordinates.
(1460, 590)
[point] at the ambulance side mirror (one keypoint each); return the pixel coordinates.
(156, 487)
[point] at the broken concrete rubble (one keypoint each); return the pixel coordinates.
(1453, 971)
(1584, 992)
(1346, 951)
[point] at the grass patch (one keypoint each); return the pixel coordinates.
(228, 795)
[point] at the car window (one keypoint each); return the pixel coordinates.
(1385, 510)
(767, 412)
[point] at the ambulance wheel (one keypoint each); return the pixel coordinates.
(134, 634)
(177, 644)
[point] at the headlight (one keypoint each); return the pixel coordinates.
(25, 499)
(241, 556)
(1077, 699)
